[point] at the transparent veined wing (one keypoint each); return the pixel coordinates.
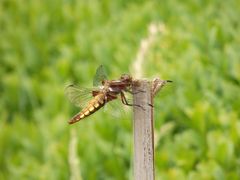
(117, 109)
(80, 96)
(100, 75)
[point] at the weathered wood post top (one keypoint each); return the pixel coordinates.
(143, 127)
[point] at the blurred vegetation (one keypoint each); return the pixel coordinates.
(45, 45)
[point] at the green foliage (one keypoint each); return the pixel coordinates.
(45, 45)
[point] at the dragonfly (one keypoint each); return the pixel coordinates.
(103, 91)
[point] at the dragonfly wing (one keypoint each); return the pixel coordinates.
(79, 96)
(116, 109)
(100, 75)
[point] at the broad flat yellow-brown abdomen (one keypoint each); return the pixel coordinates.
(96, 103)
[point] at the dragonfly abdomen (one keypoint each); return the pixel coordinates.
(96, 103)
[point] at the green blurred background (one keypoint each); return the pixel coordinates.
(45, 45)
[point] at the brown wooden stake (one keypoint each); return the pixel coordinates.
(143, 130)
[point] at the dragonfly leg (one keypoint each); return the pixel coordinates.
(136, 92)
(124, 101)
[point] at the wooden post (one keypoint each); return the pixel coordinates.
(143, 131)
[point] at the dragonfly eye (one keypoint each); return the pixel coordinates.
(126, 77)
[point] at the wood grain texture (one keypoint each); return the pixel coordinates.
(143, 131)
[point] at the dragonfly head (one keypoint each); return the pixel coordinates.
(126, 78)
